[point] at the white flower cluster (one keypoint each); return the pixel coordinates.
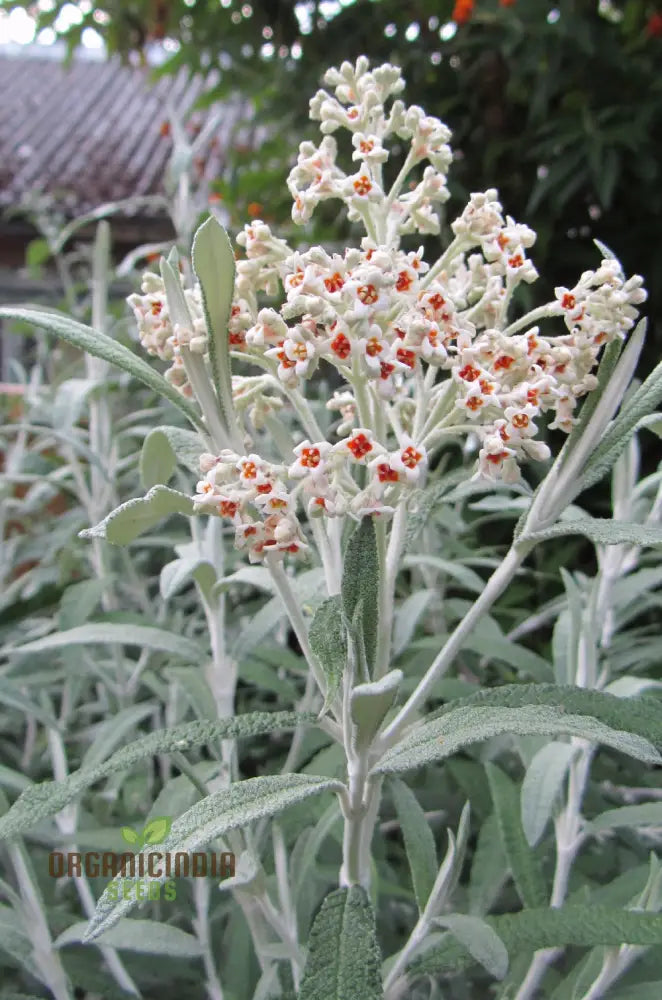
(359, 105)
(425, 351)
(156, 331)
(261, 497)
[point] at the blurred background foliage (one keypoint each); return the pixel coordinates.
(559, 105)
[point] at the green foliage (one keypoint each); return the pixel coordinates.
(39, 801)
(531, 929)
(343, 960)
(360, 584)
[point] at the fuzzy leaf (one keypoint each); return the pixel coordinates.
(360, 587)
(132, 518)
(643, 814)
(542, 783)
(602, 530)
(146, 636)
(640, 404)
(419, 841)
(481, 941)
(523, 865)
(531, 929)
(145, 936)
(369, 704)
(163, 448)
(49, 797)
(446, 735)
(102, 346)
(344, 962)
(237, 806)
(642, 715)
(214, 266)
(329, 644)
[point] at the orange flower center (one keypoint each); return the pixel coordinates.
(359, 446)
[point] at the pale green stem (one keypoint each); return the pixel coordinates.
(493, 589)
(542, 312)
(295, 615)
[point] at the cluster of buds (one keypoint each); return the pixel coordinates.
(425, 351)
(157, 333)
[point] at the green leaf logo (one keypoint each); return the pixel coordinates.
(157, 830)
(154, 833)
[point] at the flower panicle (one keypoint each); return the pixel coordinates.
(424, 352)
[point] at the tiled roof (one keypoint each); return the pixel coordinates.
(94, 132)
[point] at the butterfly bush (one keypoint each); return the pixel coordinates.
(425, 350)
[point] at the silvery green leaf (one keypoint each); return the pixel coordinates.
(481, 941)
(465, 576)
(111, 732)
(128, 521)
(70, 400)
(179, 572)
(12, 696)
(489, 868)
(542, 784)
(601, 530)
(195, 690)
(242, 803)
(305, 586)
(630, 687)
(246, 871)
(163, 448)
(328, 642)
(523, 864)
(369, 704)
(213, 263)
(360, 586)
(442, 737)
(641, 403)
(407, 618)
(145, 636)
(634, 715)
(101, 346)
(643, 814)
(49, 797)
(180, 314)
(146, 936)
(536, 928)
(344, 962)
(418, 839)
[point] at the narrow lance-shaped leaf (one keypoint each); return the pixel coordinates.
(213, 263)
(542, 783)
(535, 928)
(522, 863)
(360, 587)
(634, 715)
(481, 941)
(39, 801)
(419, 841)
(446, 735)
(242, 803)
(145, 636)
(344, 961)
(602, 530)
(329, 644)
(101, 346)
(145, 936)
